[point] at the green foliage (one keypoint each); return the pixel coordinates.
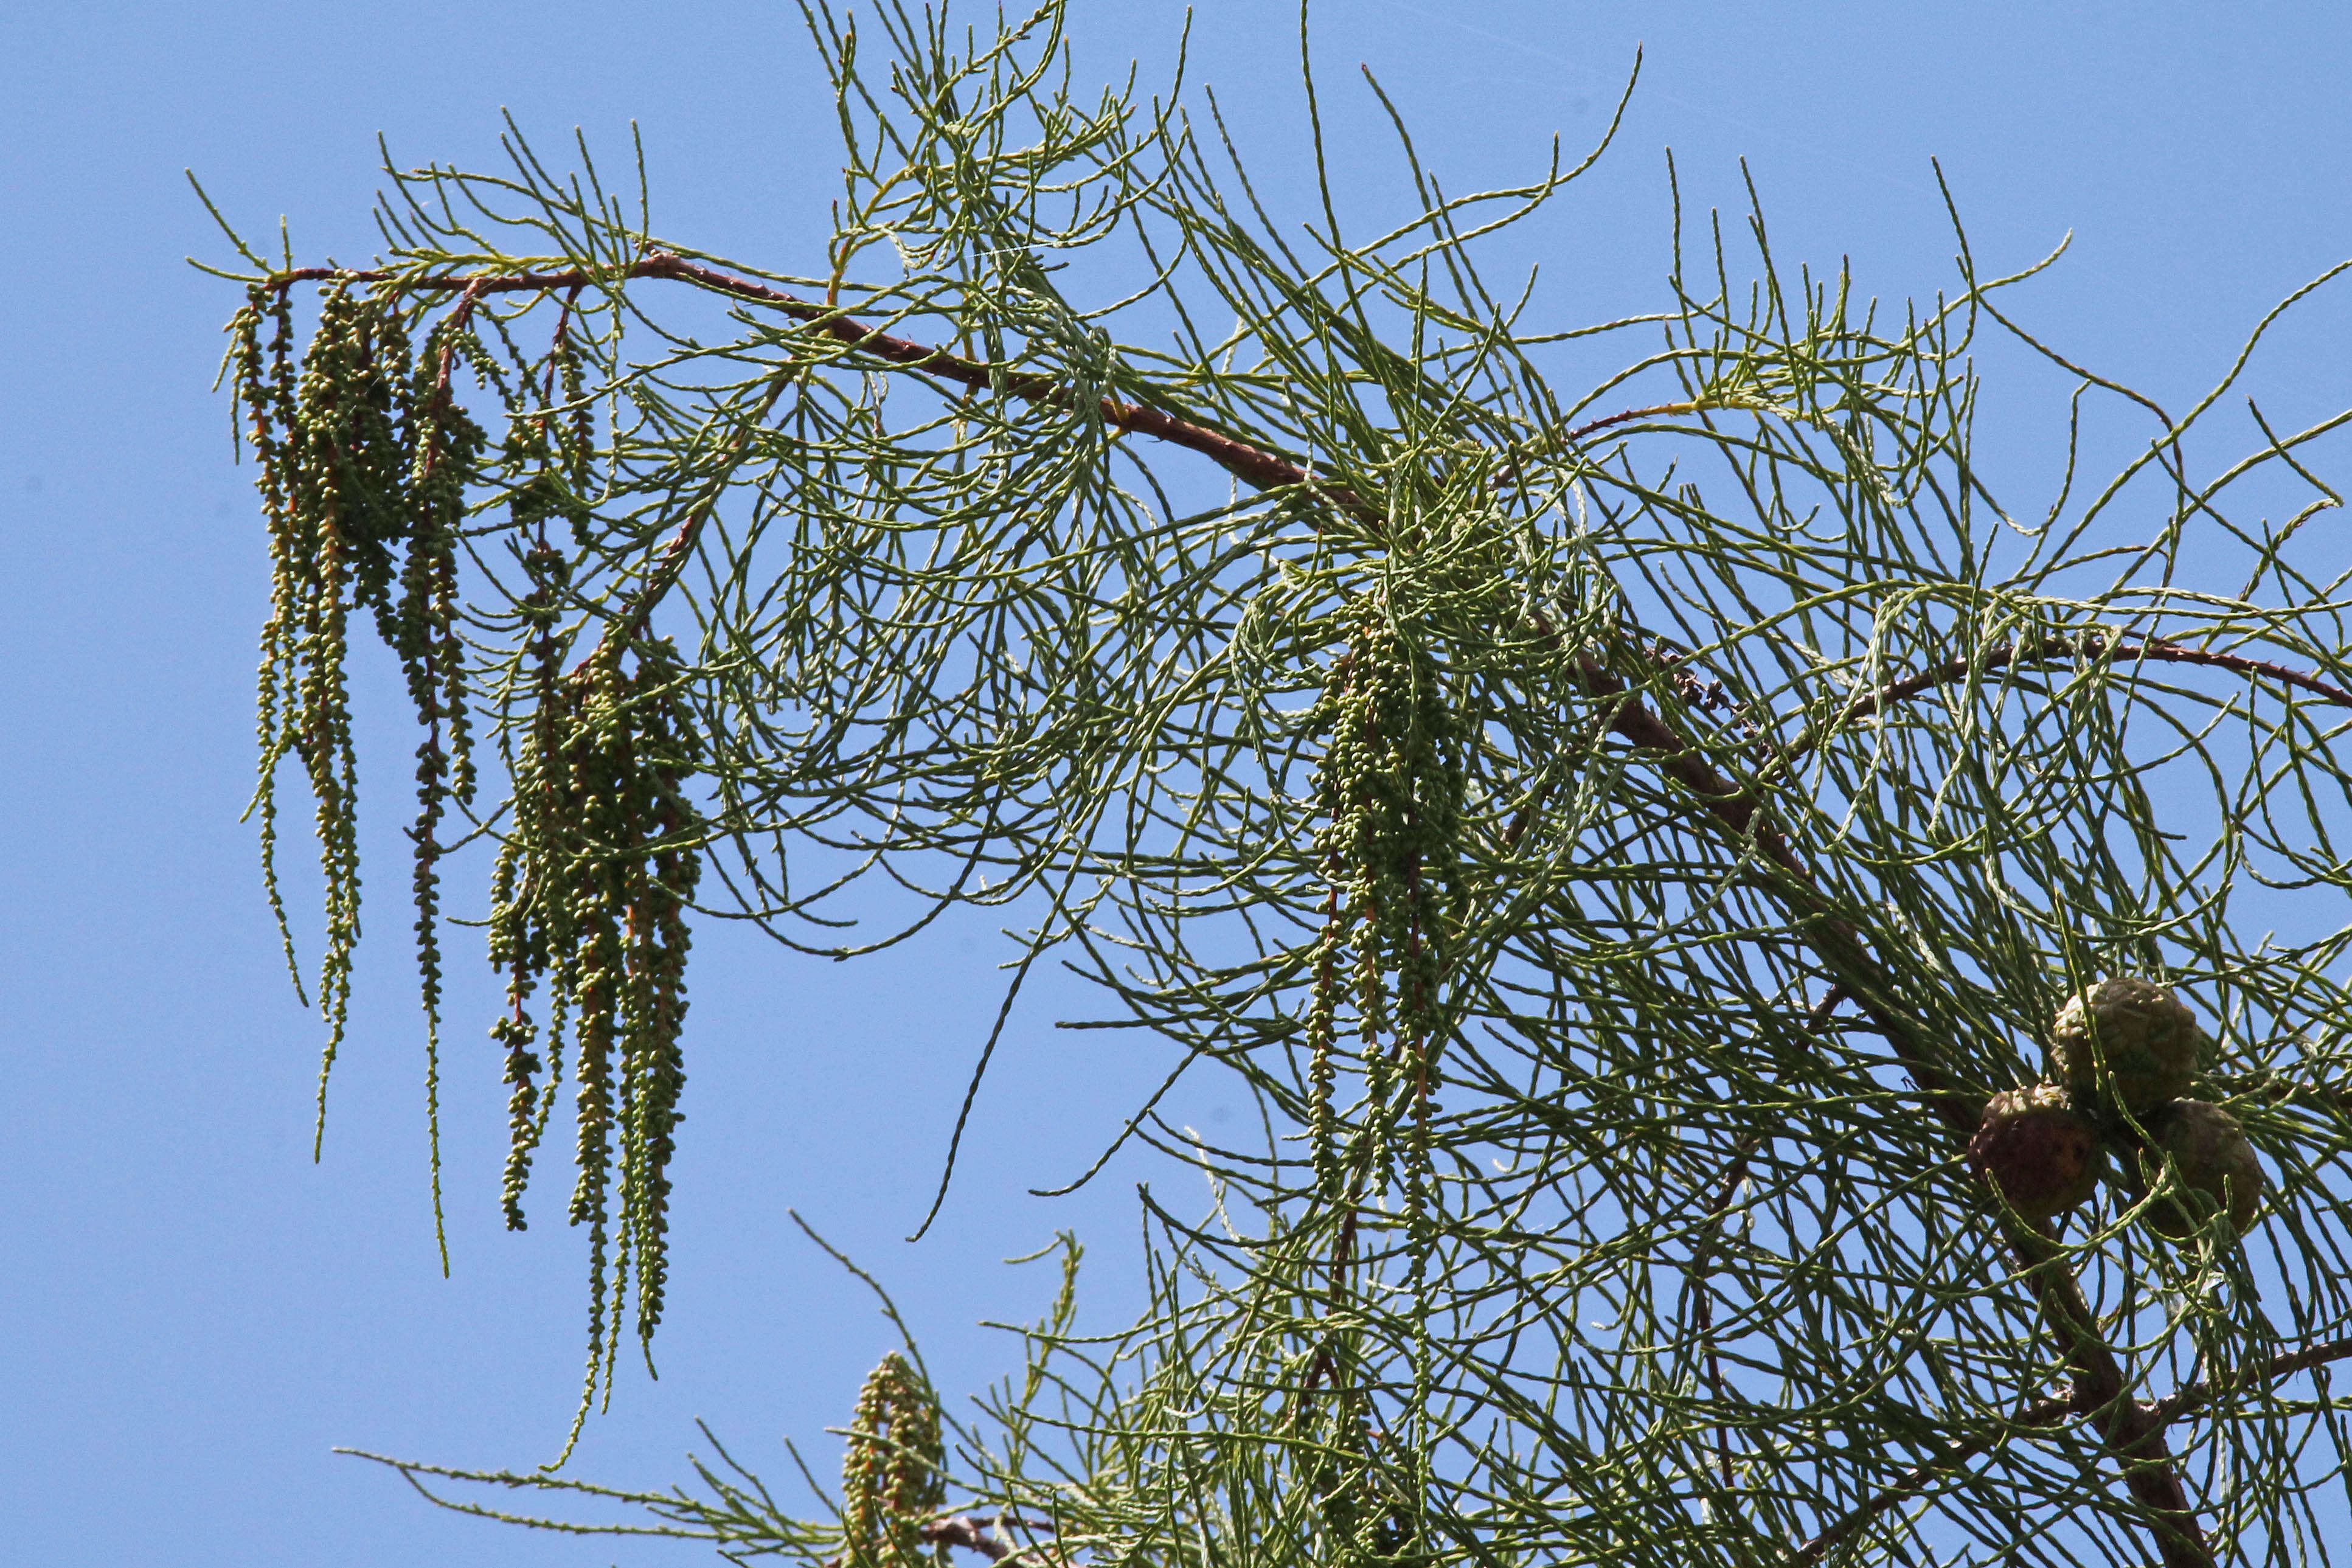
(1620, 833)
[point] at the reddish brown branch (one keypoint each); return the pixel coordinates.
(2196, 1395)
(2133, 1432)
(440, 400)
(972, 1534)
(457, 318)
(967, 1531)
(2049, 1413)
(1834, 939)
(2091, 646)
(1510, 470)
(1254, 465)
(673, 558)
(1913, 1481)
(557, 340)
(1653, 411)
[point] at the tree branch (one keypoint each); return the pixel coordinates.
(2090, 645)
(972, 1534)
(1253, 465)
(2049, 1413)
(672, 560)
(2134, 1434)
(2196, 1395)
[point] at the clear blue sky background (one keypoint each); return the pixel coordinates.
(191, 1313)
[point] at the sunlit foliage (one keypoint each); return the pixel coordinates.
(1622, 832)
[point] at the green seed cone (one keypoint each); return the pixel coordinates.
(2037, 1150)
(2215, 1169)
(2125, 1044)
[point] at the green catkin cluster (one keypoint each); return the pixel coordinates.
(364, 460)
(589, 897)
(892, 1471)
(1389, 787)
(1389, 790)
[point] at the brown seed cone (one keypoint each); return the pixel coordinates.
(2216, 1168)
(2037, 1150)
(2125, 1043)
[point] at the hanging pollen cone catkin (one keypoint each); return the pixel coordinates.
(2037, 1150)
(2127, 1045)
(892, 1477)
(2214, 1165)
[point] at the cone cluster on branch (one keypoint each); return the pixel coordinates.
(2123, 1054)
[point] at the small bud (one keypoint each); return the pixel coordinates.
(2125, 1044)
(2214, 1168)
(2037, 1150)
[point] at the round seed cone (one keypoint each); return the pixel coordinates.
(2037, 1150)
(2125, 1044)
(2216, 1168)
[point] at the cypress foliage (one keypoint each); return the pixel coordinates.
(1620, 831)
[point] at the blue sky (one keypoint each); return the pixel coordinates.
(191, 1313)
